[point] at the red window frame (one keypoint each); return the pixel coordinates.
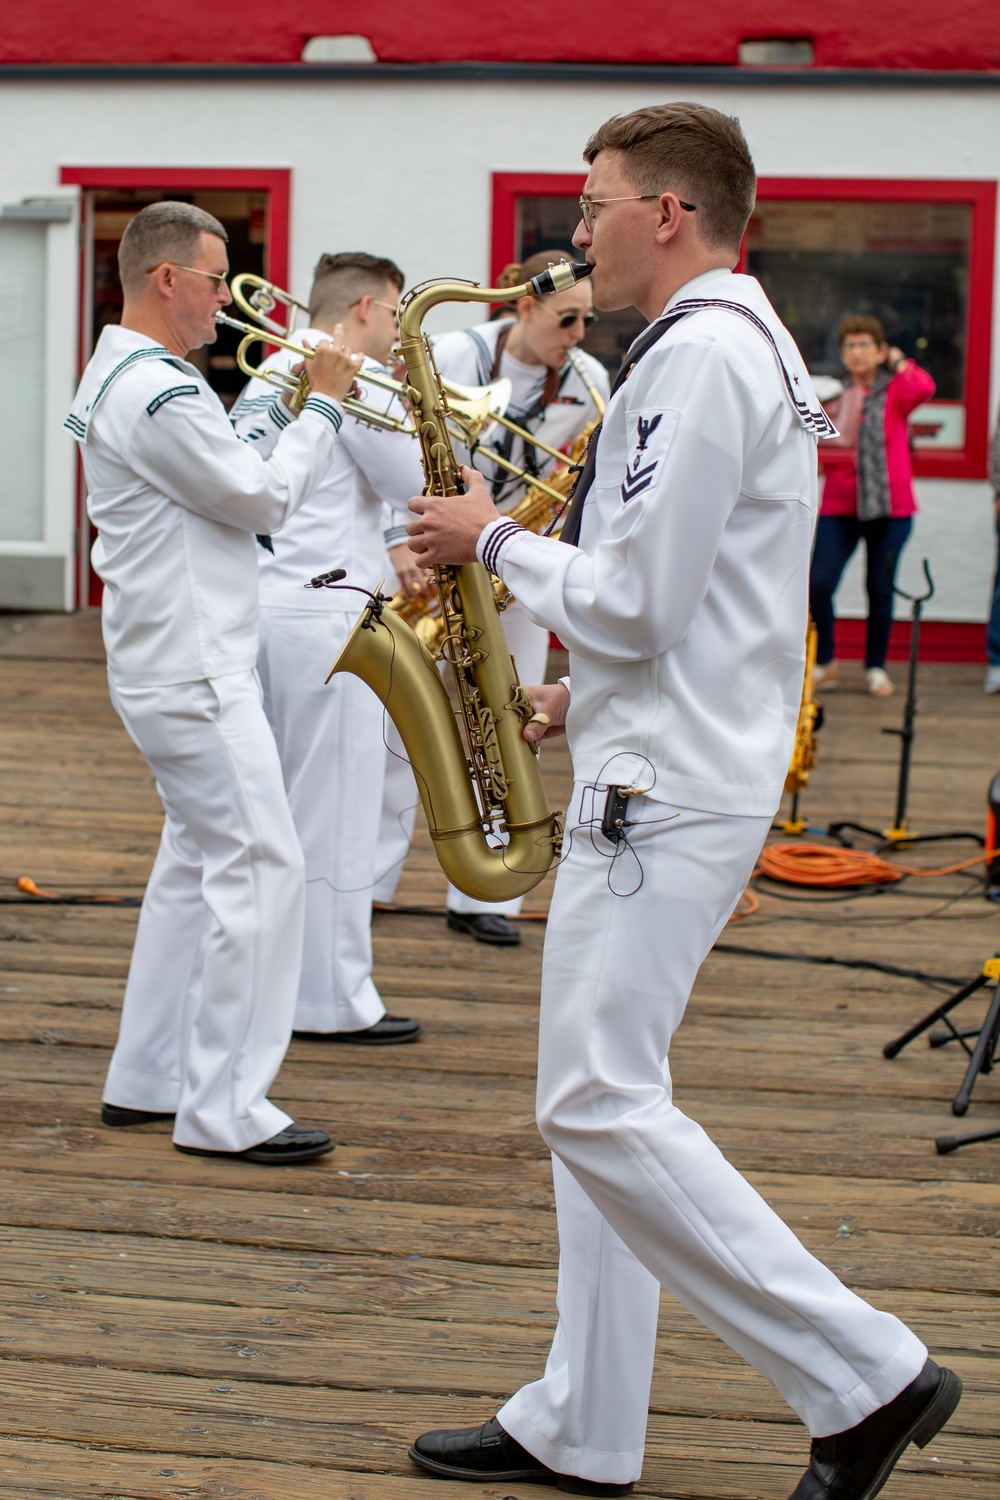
(969, 462)
(275, 181)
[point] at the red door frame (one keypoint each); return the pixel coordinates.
(942, 640)
(275, 181)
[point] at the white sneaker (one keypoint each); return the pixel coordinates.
(991, 682)
(825, 678)
(879, 683)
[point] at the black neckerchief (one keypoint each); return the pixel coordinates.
(553, 382)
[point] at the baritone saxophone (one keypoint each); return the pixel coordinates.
(493, 831)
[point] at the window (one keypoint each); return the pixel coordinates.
(252, 204)
(540, 212)
(917, 254)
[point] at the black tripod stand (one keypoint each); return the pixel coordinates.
(897, 833)
(982, 1056)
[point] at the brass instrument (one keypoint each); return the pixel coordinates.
(491, 785)
(810, 720)
(472, 408)
(258, 298)
(538, 509)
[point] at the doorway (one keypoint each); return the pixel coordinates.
(252, 207)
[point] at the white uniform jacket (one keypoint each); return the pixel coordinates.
(467, 357)
(176, 498)
(684, 606)
(341, 525)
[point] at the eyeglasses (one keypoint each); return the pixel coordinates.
(566, 320)
(587, 205)
(392, 307)
(220, 276)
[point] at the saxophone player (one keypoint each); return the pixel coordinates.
(552, 397)
(680, 588)
(330, 737)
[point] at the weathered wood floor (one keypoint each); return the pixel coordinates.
(181, 1327)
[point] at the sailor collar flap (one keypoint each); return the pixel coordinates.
(88, 399)
(798, 385)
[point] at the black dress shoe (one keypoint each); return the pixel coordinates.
(488, 1452)
(117, 1115)
(294, 1143)
(854, 1465)
(388, 1029)
(485, 927)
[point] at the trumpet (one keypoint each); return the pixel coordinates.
(258, 298)
(472, 408)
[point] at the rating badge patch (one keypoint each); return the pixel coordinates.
(652, 436)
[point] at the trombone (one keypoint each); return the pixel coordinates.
(259, 298)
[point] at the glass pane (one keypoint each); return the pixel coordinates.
(906, 263)
(548, 224)
(244, 216)
(22, 390)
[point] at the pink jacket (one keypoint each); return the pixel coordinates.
(907, 390)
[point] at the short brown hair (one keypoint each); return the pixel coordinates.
(161, 232)
(341, 280)
(689, 149)
(520, 271)
(861, 323)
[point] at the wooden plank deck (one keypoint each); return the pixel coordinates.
(180, 1327)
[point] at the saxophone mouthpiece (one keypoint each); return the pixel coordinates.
(560, 278)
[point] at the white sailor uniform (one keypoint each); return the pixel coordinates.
(684, 610)
(468, 356)
(176, 498)
(331, 738)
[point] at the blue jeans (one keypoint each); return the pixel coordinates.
(836, 539)
(993, 628)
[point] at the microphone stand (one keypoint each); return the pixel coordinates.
(898, 833)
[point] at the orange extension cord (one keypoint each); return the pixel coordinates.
(818, 865)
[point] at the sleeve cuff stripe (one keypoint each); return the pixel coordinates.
(278, 412)
(496, 541)
(323, 407)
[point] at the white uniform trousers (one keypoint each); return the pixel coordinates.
(332, 753)
(643, 1196)
(208, 1006)
(529, 646)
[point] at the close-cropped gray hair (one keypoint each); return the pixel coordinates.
(160, 232)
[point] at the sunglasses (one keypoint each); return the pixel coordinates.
(566, 320)
(212, 275)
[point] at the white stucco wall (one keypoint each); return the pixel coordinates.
(404, 169)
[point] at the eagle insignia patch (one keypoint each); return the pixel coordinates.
(643, 466)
